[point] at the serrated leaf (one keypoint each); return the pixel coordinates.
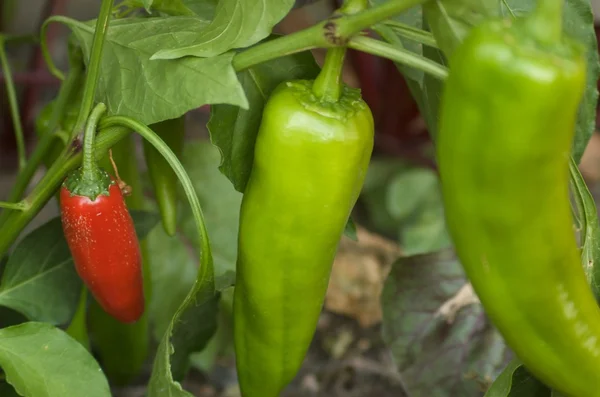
(189, 331)
(234, 130)
(436, 357)
(132, 85)
(42, 361)
(236, 24)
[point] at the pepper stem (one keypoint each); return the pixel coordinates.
(328, 84)
(90, 167)
(545, 23)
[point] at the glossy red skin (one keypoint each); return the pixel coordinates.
(106, 251)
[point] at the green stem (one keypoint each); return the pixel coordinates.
(44, 190)
(66, 90)
(14, 106)
(319, 35)
(355, 23)
(206, 270)
(302, 40)
(90, 168)
(411, 33)
(545, 23)
(56, 72)
(328, 84)
(93, 70)
(20, 206)
(408, 58)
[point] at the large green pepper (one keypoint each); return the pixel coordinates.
(507, 123)
(311, 156)
(164, 180)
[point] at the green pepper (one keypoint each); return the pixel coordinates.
(164, 180)
(507, 121)
(310, 160)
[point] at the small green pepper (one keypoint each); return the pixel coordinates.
(164, 180)
(507, 122)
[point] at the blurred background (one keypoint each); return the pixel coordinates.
(377, 305)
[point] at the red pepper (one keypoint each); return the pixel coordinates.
(105, 250)
(101, 235)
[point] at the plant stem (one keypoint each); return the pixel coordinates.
(405, 57)
(302, 40)
(44, 190)
(545, 23)
(355, 23)
(41, 149)
(89, 89)
(206, 270)
(90, 168)
(14, 106)
(319, 35)
(328, 84)
(20, 206)
(411, 33)
(56, 72)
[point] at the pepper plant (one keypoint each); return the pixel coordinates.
(507, 84)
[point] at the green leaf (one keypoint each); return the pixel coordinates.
(408, 190)
(451, 20)
(425, 89)
(7, 390)
(234, 130)
(220, 201)
(236, 24)
(144, 222)
(516, 381)
(147, 4)
(10, 317)
(151, 91)
(42, 361)
(189, 331)
(587, 214)
(350, 230)
(121, 348)
(40, 280)
(171, 7)
(438, 355)
(173, 268)
(203, 8)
